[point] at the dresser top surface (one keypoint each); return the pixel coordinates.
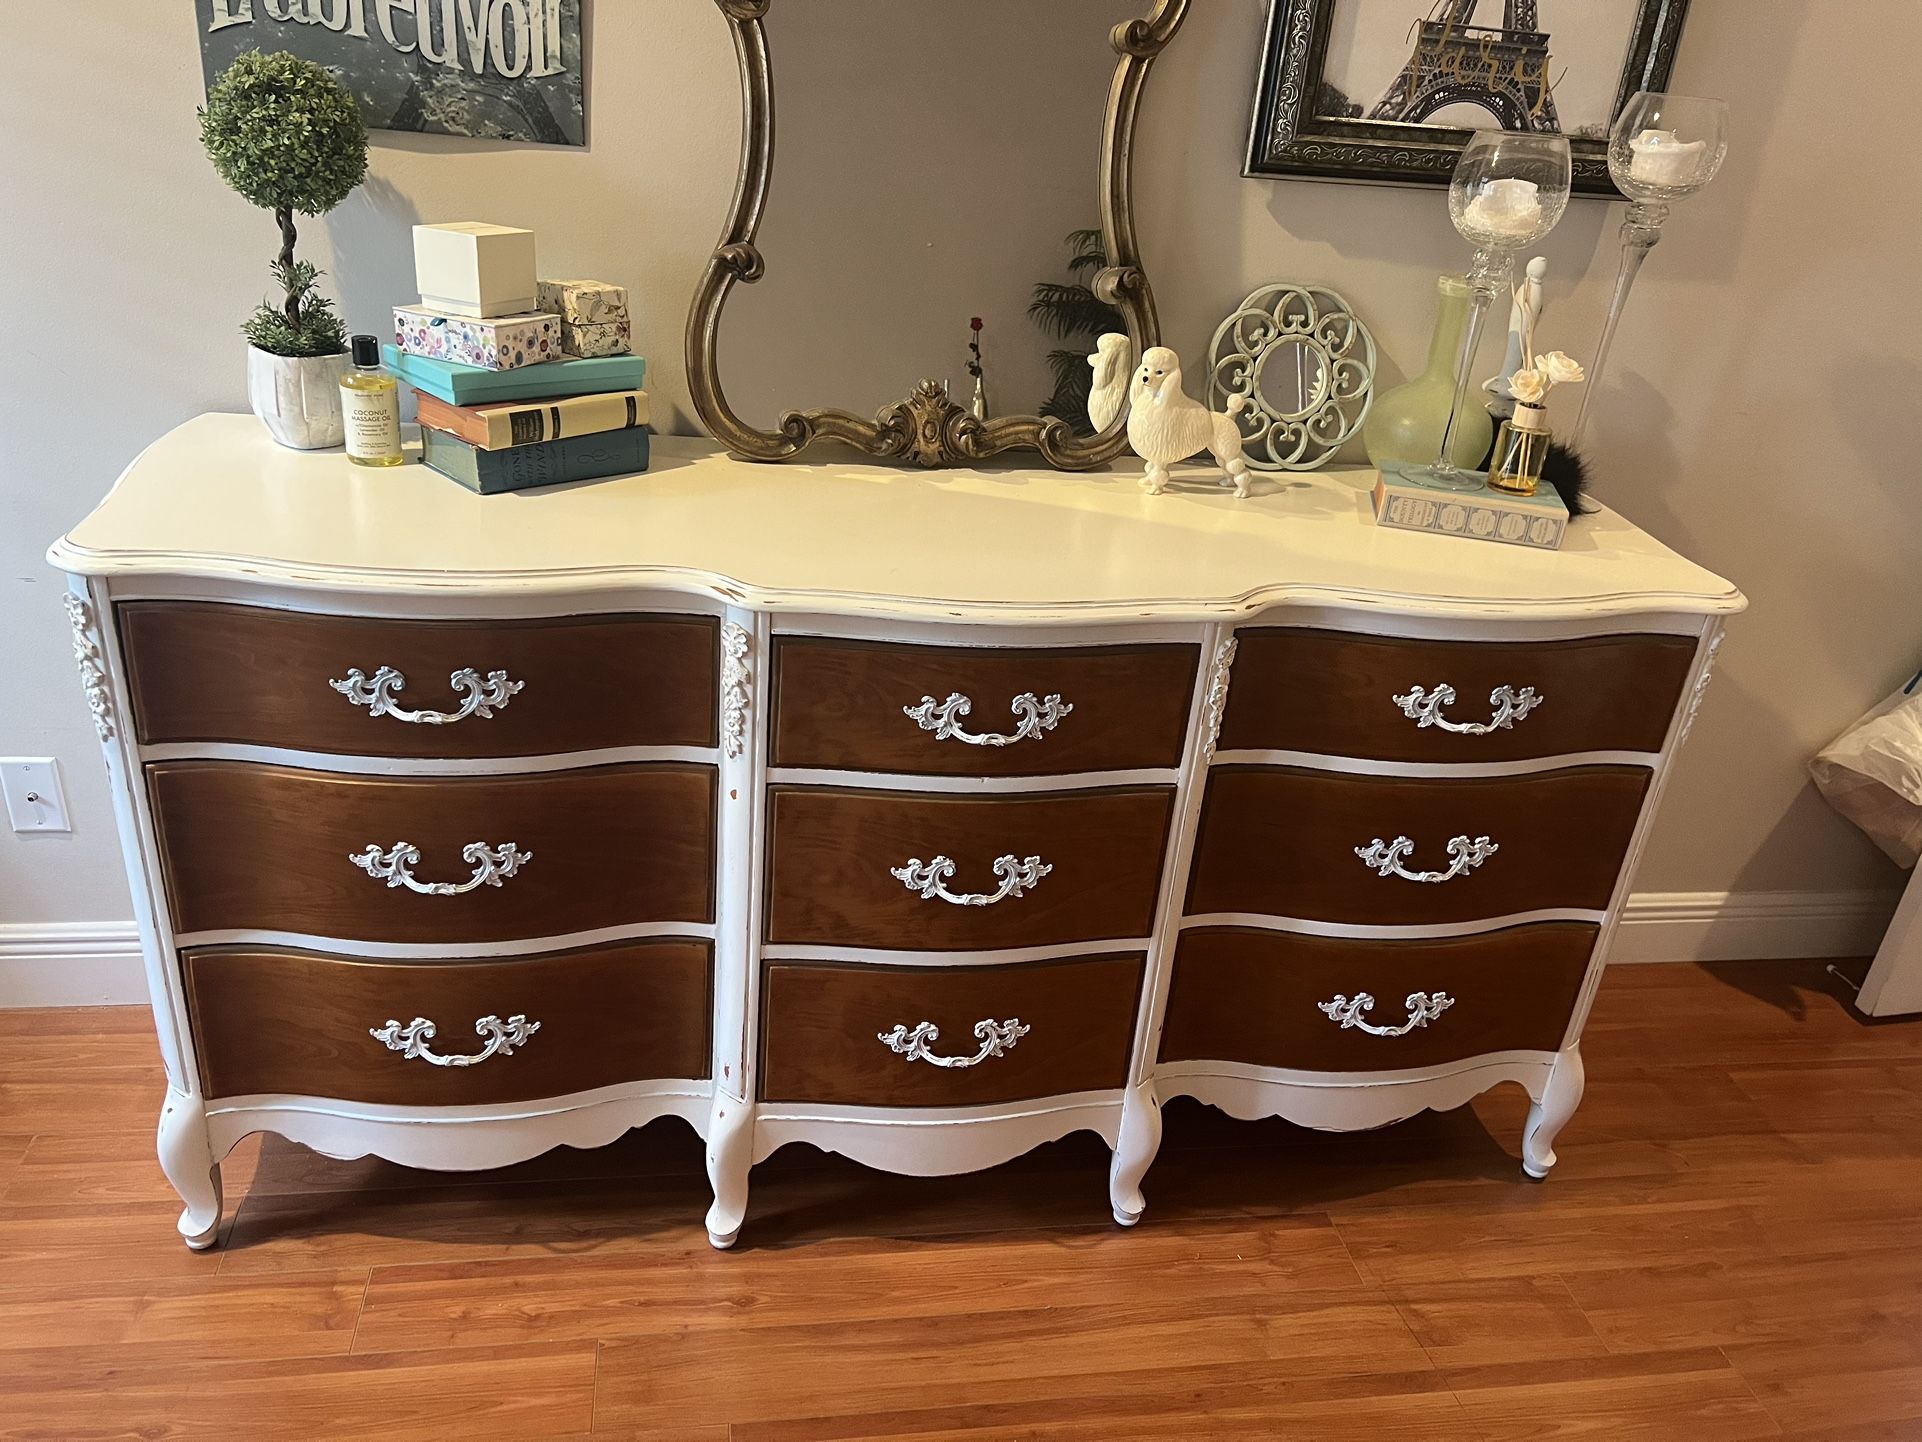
(217, 498)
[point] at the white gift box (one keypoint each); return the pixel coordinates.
(473, 269)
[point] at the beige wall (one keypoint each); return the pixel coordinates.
(1762, 414)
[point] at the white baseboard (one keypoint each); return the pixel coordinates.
(97, 963)
(1750, 925)
(71, 963)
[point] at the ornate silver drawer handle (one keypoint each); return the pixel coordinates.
(483, 698)
(492, 865)
(996, 1037)
(1424, 709)
(411, 1040)
(1018, 875)
(1386, 857)
(1037, 717)
(1422, 1009)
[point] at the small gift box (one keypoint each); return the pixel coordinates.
(583, 302)
(614, 337)
(499, 344)
(474, 269)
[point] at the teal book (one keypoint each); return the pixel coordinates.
(544, 463)
(461, 385)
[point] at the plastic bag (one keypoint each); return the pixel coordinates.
(1872, 774)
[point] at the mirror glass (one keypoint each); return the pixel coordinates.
(1294, 378)
(930, 159)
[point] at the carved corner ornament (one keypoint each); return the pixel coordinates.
(93, 667)
(1217, 701)
(927, 428)
(734, 683)
(1701, 687)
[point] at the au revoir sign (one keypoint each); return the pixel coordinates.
(499, 69)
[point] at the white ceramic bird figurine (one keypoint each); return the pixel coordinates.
(1112, 360)
(1166, 424)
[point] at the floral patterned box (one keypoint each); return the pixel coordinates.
(615, 337)
(500, 343)
(582, 302)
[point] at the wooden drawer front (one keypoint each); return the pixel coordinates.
(1283, 841)
(271, 1020)
(844, 704)
(1336, 694)
(1257, 997)
(201, 672)
(834, 854)
(270, 848)
(824, 1028)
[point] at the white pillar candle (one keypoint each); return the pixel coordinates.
(1660, 159)
(1506, 207)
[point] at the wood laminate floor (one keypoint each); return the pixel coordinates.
(1731, 1248)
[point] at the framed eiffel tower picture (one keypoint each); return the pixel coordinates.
(1389, 91)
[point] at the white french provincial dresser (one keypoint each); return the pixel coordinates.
(924, 817)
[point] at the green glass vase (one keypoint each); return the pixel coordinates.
(1405, 425)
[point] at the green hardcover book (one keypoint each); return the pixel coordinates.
(545, 463)
(461, 385)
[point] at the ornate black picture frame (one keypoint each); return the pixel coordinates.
(1290, 137)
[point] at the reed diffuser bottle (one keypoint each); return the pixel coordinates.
(1521, 445)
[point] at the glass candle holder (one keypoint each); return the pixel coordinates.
(1508, 191)
(1662, 148)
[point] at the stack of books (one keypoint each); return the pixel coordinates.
(520, 383)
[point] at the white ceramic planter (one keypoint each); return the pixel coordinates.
(298, 397)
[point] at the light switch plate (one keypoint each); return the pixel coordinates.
(35, 801)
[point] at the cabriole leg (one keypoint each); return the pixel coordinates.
(1135, 1148)
(189, 1164)
(730, 1153)
(1547, 1117)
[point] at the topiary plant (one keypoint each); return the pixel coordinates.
(287, 136)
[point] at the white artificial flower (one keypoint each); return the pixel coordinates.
(1559, 369)
(1527, 385)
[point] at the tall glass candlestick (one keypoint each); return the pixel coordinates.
(1507, 192)
(1663, 148)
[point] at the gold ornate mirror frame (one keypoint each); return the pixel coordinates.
(928, 428)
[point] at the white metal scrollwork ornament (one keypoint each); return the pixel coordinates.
(1422, 1009)
(1424, 709)
(1305, 368)
(1037, 717)
(1386, 857)
(411, 1040)
(995, 1037)
(1018, 875)
(482, 699)
(492, 866)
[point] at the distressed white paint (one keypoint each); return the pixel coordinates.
(302, 532)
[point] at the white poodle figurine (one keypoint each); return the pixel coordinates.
(1111, 362)
(1166, 425)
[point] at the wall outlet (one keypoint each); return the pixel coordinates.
(35, 802)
